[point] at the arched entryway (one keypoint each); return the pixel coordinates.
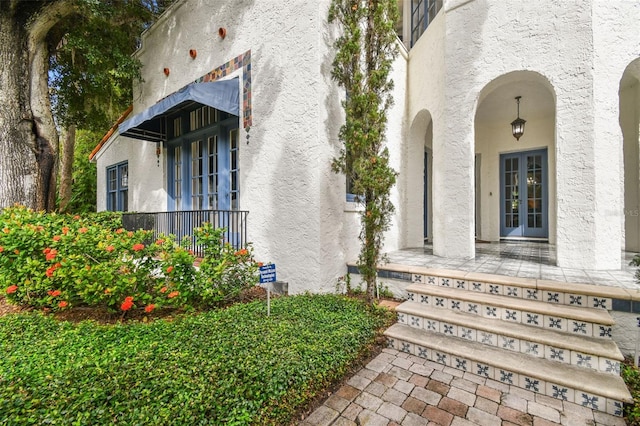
(418, 165)
(629, 123)
(515, 184)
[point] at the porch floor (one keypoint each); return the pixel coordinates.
(520, 259)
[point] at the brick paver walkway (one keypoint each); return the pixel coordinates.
(400, 389)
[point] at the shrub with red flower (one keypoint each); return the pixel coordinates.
(50, 253)
(65, 230)
(149, 308)
(173, 294)
(163, 290)
(57, 238)
(63, 304)
(138, 247)
(54, 293)
(12, 289)
(83, 230)
(169, 269)
(242, 252)
(1, 249)
(109, 248)
(52, 269)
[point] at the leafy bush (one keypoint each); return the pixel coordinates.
(59, 261)
(631, 377)
(234, 366)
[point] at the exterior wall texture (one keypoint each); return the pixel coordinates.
(454, 98)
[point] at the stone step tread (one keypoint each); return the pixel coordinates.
(594, 382)
(531, 283)
(597, 316)
(602, 347)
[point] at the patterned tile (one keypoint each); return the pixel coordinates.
(448, 329)
(461, 363)
(581, 328)
(439, 302)
(584, 360)
(411, 297)
(493, 289)
(609, 366)
(406, 347)
(557, 354)
(560, 392)
(455, 305)
(491, 311)
(391, 343)
(511, 315)
(425, 299)
(603, 331)
(477, 286)
(441, 358)
(431, 280)
(532, 348)
(512, 291)
(589, 400)
(461, 284)
(615, 408)
(554, 297)
(431, 325)
(402, 318)
(506, 377)
(423, 352)
(532, 384)
(600, 302)
(446, 282)
(474, 308)
(575, 299)
(532, 294)
(415, 321)
(533, 319)
(467, 333)
(509, 343)
(487, 338)
(555, 323)
(484, 370)
(419, 279)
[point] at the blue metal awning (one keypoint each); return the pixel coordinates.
(150, 124)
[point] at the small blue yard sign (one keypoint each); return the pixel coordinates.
(268, 273)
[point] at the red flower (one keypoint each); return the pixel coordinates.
(1, 249)
(163, 290)
(130, 234)
(126, 305)
(12, 289)
(128, 299)
(149, 308)
(242, 252)
(63, 304)
(65, 230)
(120, 231)
(110, 248)
(173, 294)
(16, 251)
(169, 269)
(51, 254)
(76, 217)
(56, 238)
(138, 247)
(83, 230)
(260, 264)
(54, 293)
(107, 291)
(159, 241)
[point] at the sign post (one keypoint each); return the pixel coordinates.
(268, 276)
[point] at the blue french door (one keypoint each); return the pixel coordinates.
(524, 210)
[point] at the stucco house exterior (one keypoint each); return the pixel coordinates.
(265, 145)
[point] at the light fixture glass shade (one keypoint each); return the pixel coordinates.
(517, 128)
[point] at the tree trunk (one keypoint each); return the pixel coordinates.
(66, 167)
(28, 136)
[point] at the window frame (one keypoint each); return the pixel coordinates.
(118, 196)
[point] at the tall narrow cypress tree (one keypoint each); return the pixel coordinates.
(365, 51)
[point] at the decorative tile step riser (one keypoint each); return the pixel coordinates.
(524, 346)
(582, 328)
(592, 401)
(517, 292)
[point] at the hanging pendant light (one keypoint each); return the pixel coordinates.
(517, 125)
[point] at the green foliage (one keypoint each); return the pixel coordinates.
(59, 261)
(234, 366)
(365, 52)
(83, 195)
(631, 377)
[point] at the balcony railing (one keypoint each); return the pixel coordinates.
(182, 223)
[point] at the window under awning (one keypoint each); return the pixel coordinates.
(150, 124)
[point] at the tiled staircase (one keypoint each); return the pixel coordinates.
(547, 337)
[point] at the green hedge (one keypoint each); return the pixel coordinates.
(234, 366)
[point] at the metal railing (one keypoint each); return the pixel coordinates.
(182, 223)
